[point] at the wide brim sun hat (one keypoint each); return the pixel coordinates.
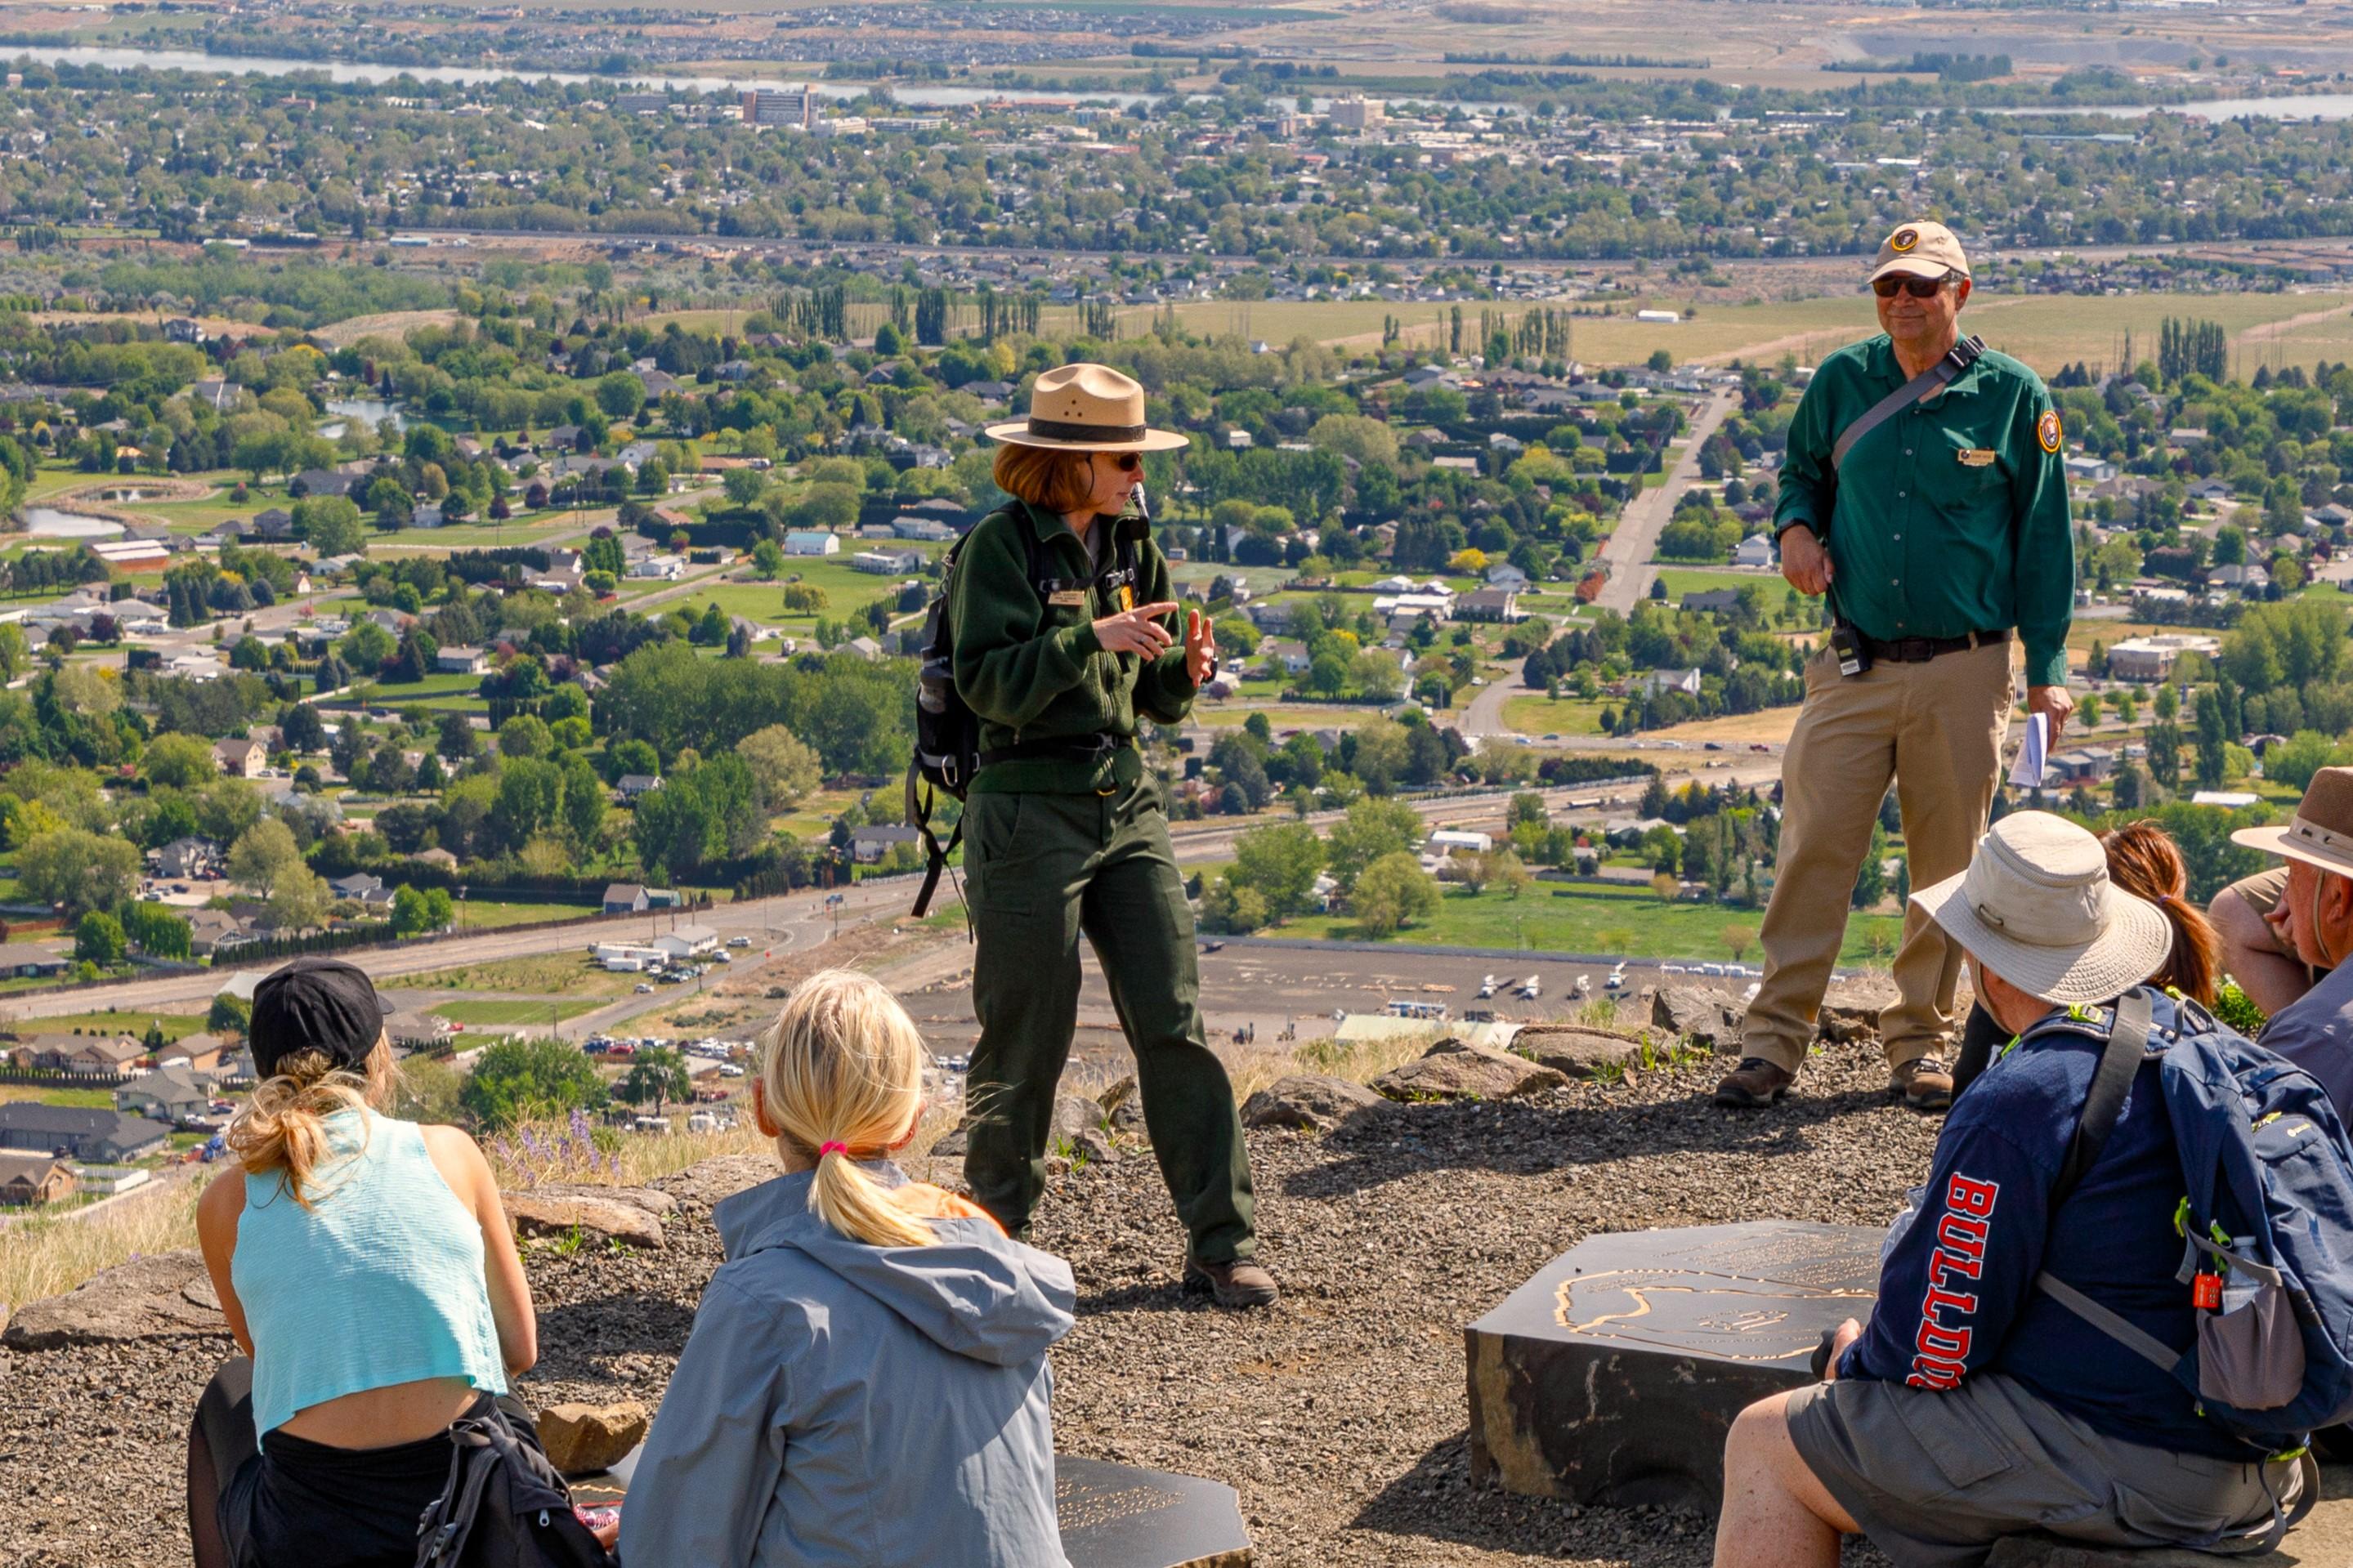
(2320, 834)
(1086, 408)
(2037, 908)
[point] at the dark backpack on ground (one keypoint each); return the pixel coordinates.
(503, 1506)
(948, 732)
(2266, 1216)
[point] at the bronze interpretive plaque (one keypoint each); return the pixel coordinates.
(1613, 1375)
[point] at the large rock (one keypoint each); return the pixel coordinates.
(1453, 1070)
(1708, 1017)
(1314, 1102)
(582, 1439)
(652, 1200)
(1073, 1116)
(954, 1143)
(1843, 1023)
(721, 1176)
(596, 1215)
(1579, 1052)
(163, 1296)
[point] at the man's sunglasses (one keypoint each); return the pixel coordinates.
(1918, 288)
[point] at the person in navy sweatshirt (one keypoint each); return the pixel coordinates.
(1973, 1406)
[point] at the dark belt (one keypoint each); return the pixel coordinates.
(1920, 650)
(1093, 748)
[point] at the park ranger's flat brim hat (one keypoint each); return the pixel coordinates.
(2320, 834)
(1919, 249)
(2037, 908)
(1086, 408)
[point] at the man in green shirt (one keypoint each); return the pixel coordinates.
(1941, 534)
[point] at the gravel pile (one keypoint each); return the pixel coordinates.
(1340, 1415)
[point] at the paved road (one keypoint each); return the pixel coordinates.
(1485, 714)
(802, 920)
(1631, 544)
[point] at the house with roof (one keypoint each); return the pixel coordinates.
(29, 1181)
(35, 959)
(94, 1054)
(96, 1137)
(212, 931)
(632, 786)
(240, 756)
(167, 1094)
(1756, 553)
(1489, 604)
(886, 563)
(625, 899)
(455, 660)
(324, 483)
(811, 541)
(873, 843)
(686, 941)
(1658, 682)
(1714, 600)
(359, 886)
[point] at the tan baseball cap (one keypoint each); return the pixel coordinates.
(1920, 250)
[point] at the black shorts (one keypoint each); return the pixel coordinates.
(299, 1504)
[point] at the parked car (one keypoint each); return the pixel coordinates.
(643, 989)
(739, 942)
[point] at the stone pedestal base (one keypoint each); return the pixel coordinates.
(1613, 1375)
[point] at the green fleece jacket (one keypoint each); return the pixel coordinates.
(1033, 670)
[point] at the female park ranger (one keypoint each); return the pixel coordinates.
(1066, 630)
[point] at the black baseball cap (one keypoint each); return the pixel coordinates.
(315, 1003)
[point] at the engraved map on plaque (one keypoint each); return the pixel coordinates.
(1760, 1297)
(1613, 1375)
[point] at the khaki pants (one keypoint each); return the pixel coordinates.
(1937, 729)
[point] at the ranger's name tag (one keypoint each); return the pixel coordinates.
(1977, 456)
(1067, 597)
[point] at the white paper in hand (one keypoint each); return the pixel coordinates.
(2026, 773)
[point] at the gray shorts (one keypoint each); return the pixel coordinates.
(1935, 1478)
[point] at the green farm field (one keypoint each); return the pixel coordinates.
(1588, 918)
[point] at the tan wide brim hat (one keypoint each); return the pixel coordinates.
(1086, 408)
(1919, 249)
(2320, 833)
(2037, 908)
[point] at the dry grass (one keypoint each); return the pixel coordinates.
(49, 1255)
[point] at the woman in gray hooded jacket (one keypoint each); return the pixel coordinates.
(866, 1382)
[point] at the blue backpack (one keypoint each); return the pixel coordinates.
(2266, 1217)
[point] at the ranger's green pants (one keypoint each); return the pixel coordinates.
(1039, 869)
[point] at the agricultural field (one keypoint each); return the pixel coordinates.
(477, 1011)
(1627, 922)
(175, 1026)
(549, 974)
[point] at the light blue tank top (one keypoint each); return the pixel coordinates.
(378, 1283)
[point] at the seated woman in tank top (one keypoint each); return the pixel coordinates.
(366, 1267)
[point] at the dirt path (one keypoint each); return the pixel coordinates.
(2265, 331)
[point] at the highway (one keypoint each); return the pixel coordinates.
(1631, 544)
(802, 920)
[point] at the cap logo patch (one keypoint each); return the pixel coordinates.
(2046, 430)
(1905, 239)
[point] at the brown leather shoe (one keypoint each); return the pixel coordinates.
(1235, 1286)
(1755, 1085)
(1926, 1085)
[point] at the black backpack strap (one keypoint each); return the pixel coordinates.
(2111, 1083)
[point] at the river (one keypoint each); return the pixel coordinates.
(918, 95)
(2306, 106)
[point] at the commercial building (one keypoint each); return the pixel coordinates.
(795, 107)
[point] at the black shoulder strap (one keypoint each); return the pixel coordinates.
(2111, 1083)
(1962, 356)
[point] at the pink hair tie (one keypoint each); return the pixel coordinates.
(824, 1149)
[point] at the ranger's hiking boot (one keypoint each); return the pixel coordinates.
(1926, 1085)
(1234, 1286)
(1755, 1085)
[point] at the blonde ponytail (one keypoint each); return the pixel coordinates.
(282, 1128)
(841, 1074)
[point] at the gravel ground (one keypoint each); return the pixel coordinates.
(1340, 1415)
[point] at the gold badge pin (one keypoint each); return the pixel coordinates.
(1905, 238)
(2046, 430)
(1065, 598)
(1975, 456)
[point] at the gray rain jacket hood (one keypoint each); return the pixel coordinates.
(842, 1406)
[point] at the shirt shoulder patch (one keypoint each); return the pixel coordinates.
(2046, 430)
